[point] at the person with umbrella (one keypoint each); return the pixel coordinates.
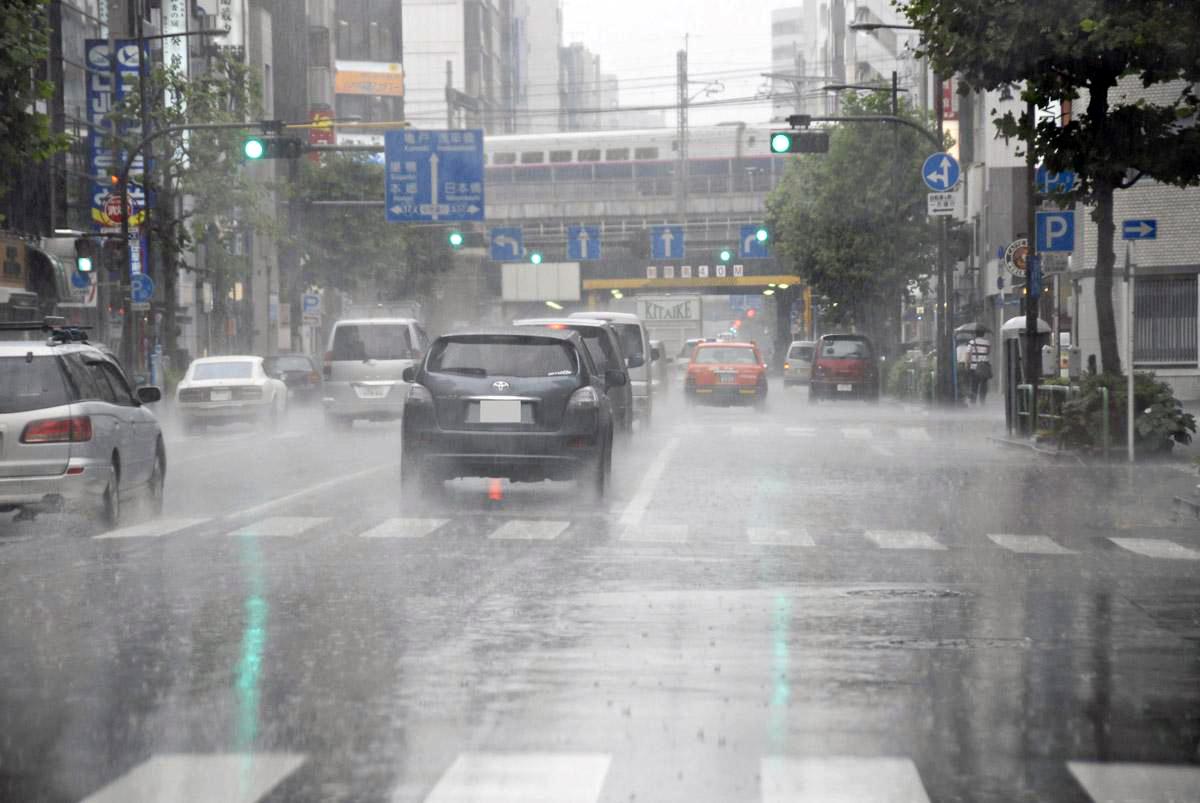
(979, 364)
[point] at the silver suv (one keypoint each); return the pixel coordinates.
(72, 433)
(364, 368)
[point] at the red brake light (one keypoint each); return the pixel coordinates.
(58, 430)
(557, 326)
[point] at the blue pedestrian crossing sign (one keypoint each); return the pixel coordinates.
(507, 244)
(750, 246)
(433, 175)
(666, 242)
(1055, 231)
(141, 288)
(940, 172)
(1143, 229)
(583, 243)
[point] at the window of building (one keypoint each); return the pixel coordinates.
(532, 157)
(589, 155)
(369, 108)
(318, 47)
(645, 153)
(368, 30)
(504, 158)
(1165, 317)
(616, 155)
(560, 156)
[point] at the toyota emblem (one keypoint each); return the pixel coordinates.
(501, 385)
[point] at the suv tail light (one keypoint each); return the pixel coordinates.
(328, 366)
(585, 398)
(58, 430)
(818, 370)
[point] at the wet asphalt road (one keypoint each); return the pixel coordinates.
(816, 603)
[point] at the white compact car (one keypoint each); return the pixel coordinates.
(223, 390)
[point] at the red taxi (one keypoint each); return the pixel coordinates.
(727, 372)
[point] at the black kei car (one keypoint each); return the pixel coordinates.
(519, 403)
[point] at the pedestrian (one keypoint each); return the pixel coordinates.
(979, 353)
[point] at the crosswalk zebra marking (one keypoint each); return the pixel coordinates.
(280, 526)
(746, 429)
(151, 529)
(881, 450)
(770, 536)
(841, 779)
(903, 539)
(656, 534)
(1030, 544)
(198, 778)
(1157, 548)
(914, 434)
(522, 778)
(404, 528)
(856, 433)
(1146, 783)
(801, 432)
(529, 530)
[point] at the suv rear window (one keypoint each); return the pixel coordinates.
(631, 338)
(503, 356)
(800, 353)
(845, 348)
(372, 342)
(31, 384)
(289, 364)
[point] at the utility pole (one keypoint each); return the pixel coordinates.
(681, 76)
(945, 328)
(1033, 275)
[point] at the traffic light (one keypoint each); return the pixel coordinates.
(455, 238)
(86, 254)
(760, 234)
(271, 147)
(725, 255)
(750, 313)
(535, 257)
(799, 142)
(114, 256)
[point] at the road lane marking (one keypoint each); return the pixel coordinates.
(307, 493)
(404, 528)
(522, 778)
(856, 433)
(1152, 783)
(779, 537)
(882, 451)
(648, 485)
(746, 429)
(914, 434)
(1157, 548)
(656, 534)
(1030, 544)
(841, 779)
(801, 432)
(529, 530)
(280, 526)
(151, 529)
(903, 539)
(223, 778)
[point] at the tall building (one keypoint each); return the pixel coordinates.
(539, 73)
(583, 89)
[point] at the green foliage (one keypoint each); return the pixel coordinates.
(852, 222)
(1159, 424)
(24, 132)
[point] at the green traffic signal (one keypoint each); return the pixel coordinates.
(83, 264)
(761, 234)
(86, 252)
(781, 142)
(455, 238)
(254, 148)
(725, 255)
(536, 257)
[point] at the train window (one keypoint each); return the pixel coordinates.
(531, 174)
(560, 156)
(504, 158)
(645, 153)
(589, 155)
(616, 155)
(614, 171)
(533, 157)
(573, 173)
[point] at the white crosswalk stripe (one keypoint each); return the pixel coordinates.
(768, 536)
(1146, 783)
(280, 526)
(656, 533)
(747, 429)
(801, 432)
(914, 434)
(902, 539)
(404, 528)
(197, 778)
(856, 433)
(529, 530)
(1157, 548)
(151, 529)
(881, 450)
(522, 778)
(1029, 544)
(841, 779)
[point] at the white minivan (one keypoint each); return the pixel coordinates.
(364, 368)
(635, 346)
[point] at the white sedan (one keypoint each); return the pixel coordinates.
(222, 390)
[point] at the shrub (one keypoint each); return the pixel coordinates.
(1160, 421)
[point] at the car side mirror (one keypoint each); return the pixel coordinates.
(655, 354)
(636, 361)
(615, 378)
(148, 394)
(409, 374)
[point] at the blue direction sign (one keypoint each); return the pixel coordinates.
(940, 172)
(1055, 231)
(80, 281)
(1143, 229)
(507, 244)
(749, 246)
(141, 288)
(433, 175)
(583, 243)
(1048, 182)
(666, 242)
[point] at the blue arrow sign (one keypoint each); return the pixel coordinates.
(583, 243)
(940, 172)
(1048, 182)
(433, 175)
(666, 242)
(1143, 229)
(141, 288)
(749, 246)
(507, 244)
(1055, 231)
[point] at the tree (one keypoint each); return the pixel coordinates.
(25, 134)
(1064, 50)
(852, 221)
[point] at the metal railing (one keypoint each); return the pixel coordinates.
(1051, 399)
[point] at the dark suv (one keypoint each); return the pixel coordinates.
(844, 367)
(522, 403)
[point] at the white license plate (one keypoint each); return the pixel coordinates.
(372, 391)
(727, 379)
(500, 411)
(223, 394)
(845, 388)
